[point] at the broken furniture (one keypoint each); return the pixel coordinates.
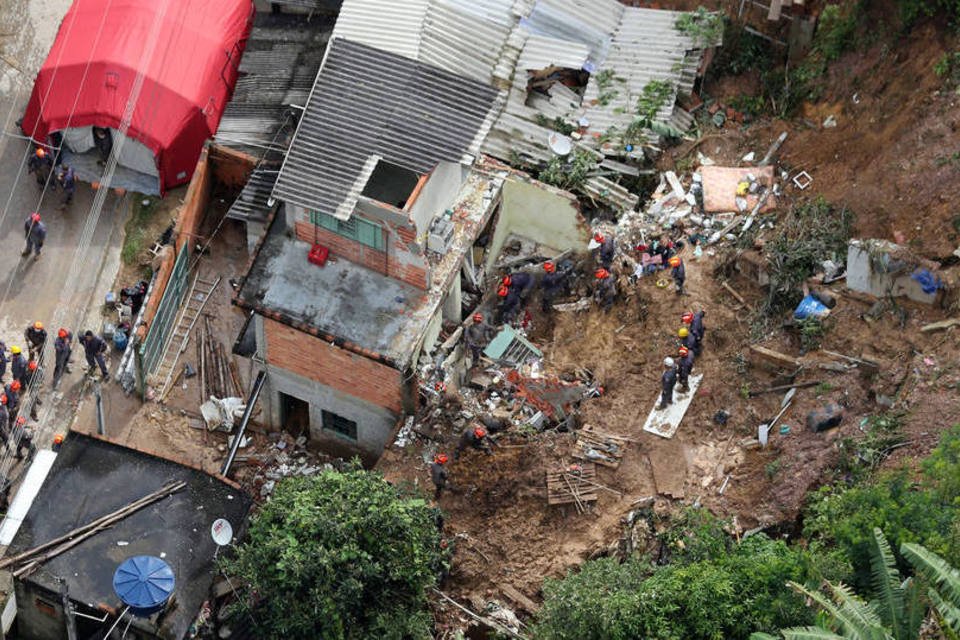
(576, 485)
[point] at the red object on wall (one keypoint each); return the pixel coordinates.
(318, 255)
(89, 74)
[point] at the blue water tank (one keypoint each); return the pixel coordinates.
(144, 583)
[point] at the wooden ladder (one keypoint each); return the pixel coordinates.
(195, 301)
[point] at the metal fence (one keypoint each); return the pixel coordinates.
(152, 348)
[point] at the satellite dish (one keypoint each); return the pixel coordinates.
(560, 144)
(221, 531)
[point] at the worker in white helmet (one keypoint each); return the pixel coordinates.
(668, 380)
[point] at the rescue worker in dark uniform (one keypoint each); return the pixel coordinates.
(684, 369)
(438, 474)
(551, 285)
(18, 364)
(605, 290)
(63, 348)
(667, 381)
(697, 329)
(678, 273)
(4, 420)
(606, 250)
(23, 436)
(93, 349)
(477, 336)
(33, 373)
(36, 337)
(476, 438)
(12, 391)
(687, 340)
(36, 234)
(41, 164)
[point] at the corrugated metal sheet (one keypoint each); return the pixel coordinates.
(367, 101)
(541, 52)
(385, 24)
(587, 22)
(252, 205)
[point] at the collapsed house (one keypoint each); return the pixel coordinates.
(175, 527)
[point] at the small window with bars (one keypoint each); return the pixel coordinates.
(363, 231)
(339, 425)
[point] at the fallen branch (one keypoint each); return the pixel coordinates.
(734, 293)
(937, 326)
(487, 621)
(784, 387)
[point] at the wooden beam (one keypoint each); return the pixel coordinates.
(775, 358)
(937, 326)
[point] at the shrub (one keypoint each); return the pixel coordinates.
(339, 556)
(726, 596)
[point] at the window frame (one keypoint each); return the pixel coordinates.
(369, 234)
(331, 422)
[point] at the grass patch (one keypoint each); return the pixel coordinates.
(135, 229)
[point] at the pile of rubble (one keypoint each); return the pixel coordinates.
(282, 457)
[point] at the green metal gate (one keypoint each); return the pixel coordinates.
(152, 349)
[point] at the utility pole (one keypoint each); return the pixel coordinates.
(68, 618)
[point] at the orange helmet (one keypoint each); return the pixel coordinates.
(503, 291)
(441, 458)
(549, 267)
(21, 421)
(687, 317)
(38, 325)
(674, 261)
(478, 317)
(3, 398)
(480, 432)
(598, 237)
(62, 333)
(41, 152)
(35, 216)
(32, 365)
(601, 273)
(15, 385)
(506, 281)
(684, 351)
(58, 439)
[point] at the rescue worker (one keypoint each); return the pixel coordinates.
(18, 364)
(12, 391)
(477, 336)
(33, 373)
(510, 303)
(103, 141)
(63, 349)
(605, 290)
(697, 329)
(67, 179)
(23, 436)
(41, 164)
(35, 232)
(93, 349)
(36, 337)
(438, 474)
(678, 272)
(4, 420)
(606, 249)
(684, 369)
(667, 381)
(520, 282)
(686, 339)
(475, 437)
(551, 285)
(3, 359)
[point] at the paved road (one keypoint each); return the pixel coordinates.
(67, 284)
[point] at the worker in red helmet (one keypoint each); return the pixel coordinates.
(552, 285)
(23, 436)
(438, 474)
(684, 368)
(686, 317)
(605, 252)
(477, 336)
(32, 380)
(518, 288)
(605, 289)
(476, 438)
(35, 232)
(63, 349)
(697, 330)
(679, 273)
(12, 391)
(4, 420)
(40, 164)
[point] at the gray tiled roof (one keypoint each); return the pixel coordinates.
(370, 102)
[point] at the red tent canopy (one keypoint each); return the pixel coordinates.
(90, 71)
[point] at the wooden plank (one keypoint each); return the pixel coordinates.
(774, 13)
(775, 358)
(511, 592)
(734, 293)
(937, 326)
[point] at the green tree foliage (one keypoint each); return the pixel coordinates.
(724, 597)
(924, 511)
(944, 581)
(339, 556)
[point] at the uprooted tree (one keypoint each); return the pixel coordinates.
(339, 555)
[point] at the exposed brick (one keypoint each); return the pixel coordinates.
(349, 373)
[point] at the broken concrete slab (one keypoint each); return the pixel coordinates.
(882, 268)
(665, 423)
(720, 188)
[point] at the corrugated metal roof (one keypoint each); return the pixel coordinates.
(277, 70)
(368, 101)
(385, 24)
(588, 22)
(252, 205)
(541, 52)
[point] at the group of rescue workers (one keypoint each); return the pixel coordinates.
(515, 289)
(44, 165)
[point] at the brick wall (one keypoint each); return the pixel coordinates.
(363, 255)
(312, 358)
